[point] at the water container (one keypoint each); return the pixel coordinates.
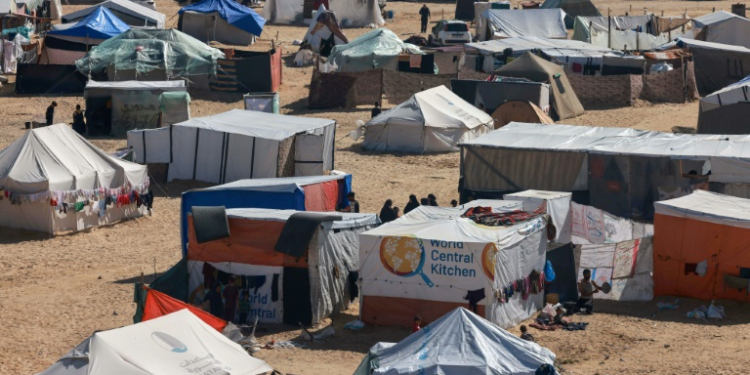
(390, 14)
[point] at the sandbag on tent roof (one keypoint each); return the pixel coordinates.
(543, 23)
(54, 165)
(241, 22)
(378, 48)
(519, 111)
(564, 99)
(724, 27)
(726, 111)
(573, 8)
(131, 13)
(99, 24)
(175, 343)
(433, 120)
(459, 343)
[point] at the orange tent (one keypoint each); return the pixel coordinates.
(701, 244)
(159, 304)
(519, 111)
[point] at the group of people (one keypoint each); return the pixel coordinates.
(79, 122)
(390, 213)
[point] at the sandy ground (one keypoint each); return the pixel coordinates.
(54, 292)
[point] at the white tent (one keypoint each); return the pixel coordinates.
(239, 144)
(177, 343)
(724, 27)
(349, 13)
(732, 94)
(558, 208)
(433, 120)
(55, 180)
(459, 343)
(431, 260)
(131, 13)
(543, 23)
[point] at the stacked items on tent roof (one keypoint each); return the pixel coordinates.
(457, 343)
(66, 43)
(726, 111)
(565, 103)
(239, 144)
(700, 247)
(434, 259)
(131, 13)
(723, 27)
(542, 23)
(174, 343)
(349, 14)
(433, 120)
(573, 9)
(53, 180)
(224, 21)
(376, 49)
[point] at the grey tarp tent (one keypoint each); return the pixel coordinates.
(726, 111)
(716, 65)
(724, 27)
(572, 8)
(564, 100)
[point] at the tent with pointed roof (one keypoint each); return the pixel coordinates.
(460, 342)
(68, 42)
(224, 21)
(724, 27)
(572, 9)
(50, 173)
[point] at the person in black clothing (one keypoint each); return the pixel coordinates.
(386, 213)
(51, 113)
(79, 124)
(454, 203)
(353, 204)
(425, 14)
(215, 303)
(375, 110)
(413, 203)
(432, 199)
(424, 201)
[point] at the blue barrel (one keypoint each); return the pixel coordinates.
(390, 14)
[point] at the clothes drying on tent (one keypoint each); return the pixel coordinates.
(53, 180)
(131, 13)
(224, 21)
(434, 120)
(190, 343)
(239, 144)
(483, 348)
(542, 23)
(66, 43)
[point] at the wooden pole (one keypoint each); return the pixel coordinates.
(609, 29)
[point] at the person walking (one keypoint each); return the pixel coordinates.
(424, 12)
(50, 115)
(375, 110)
(79, 124)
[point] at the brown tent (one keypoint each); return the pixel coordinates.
(564, 99)
(519, 111)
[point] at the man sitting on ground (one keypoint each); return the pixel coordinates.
(587, 288)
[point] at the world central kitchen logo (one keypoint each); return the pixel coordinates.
(168, 342)
(406, 257)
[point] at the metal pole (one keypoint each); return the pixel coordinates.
(609, 29)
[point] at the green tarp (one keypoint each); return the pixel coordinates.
(173, 283)
(376, 49)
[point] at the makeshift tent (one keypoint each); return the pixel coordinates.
(225, 21)
(131, 13)
(378, 48)
(542, 23)
(433, 120)
(700, 247)
(316, 279)
(518, 111)
(573, 9)
(159, 304)
(716, 65)
(54, 180)
(251, 69)
(726, 111)
(724, 27)
(558, 208)
(176, 343)
(349, 14)
(627, 40)
(117, 107)
(490, 95)
(458, 343)
(65, 45)
(621, 171)
(314, 193)
(584, 24)
(564, 100)
(433, 259)
(152, 55)
(239, 144)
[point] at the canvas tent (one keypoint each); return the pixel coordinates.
(584, 24)
(716, 65)
(632, 33)
(558, 208)
(224, 21)
(378, 48)
(54, 180)
(313, 193)
(349, 13)
(239, 144)
(724, 27)
(64, 45)
(433, 260)
(131, 13)
(519, 111)
(573, 9)
(490, 95)
(564, 100)
(700, 243)
(174, 343)
(458, 343)
(433, 120)
(542, 23)
(117, 107)
(303, 286)
(726, 111)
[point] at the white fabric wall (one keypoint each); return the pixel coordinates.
(350, 13)
(36, 216)
(627, 38)
(417, 139)
(599, 258)
(200, 26)
(156, 146)
(308, 148)
(558, 209)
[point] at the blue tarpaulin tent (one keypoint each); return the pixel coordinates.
(235, 14)
(99, 24)
(277, 193)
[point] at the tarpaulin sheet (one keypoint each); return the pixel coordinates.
(606, 267)
(543, 23)
(159, 304)
(724, 27)
(237, 15)
(372, 50)
(99, 24)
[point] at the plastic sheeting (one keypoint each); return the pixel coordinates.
(99, 24)
(582, 26)
(131, 13)
(724, 27)
(235, 14)
(174, 107)
(542, 23)
(708, 207)
(375, 49)
(572, 9)
(558, 208)
(627, 266)
(627, 40)
(734, 93)
(434, 120)
(358, 13)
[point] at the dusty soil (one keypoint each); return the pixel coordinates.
(54, 292)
